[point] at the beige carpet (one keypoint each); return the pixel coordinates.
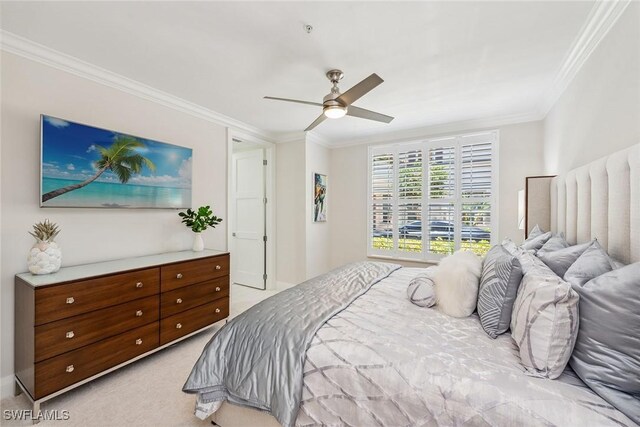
(145, 393)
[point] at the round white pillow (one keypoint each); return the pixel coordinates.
(421, 290)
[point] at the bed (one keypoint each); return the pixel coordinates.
(369, 357)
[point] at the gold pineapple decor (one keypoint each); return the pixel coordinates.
(45, 231)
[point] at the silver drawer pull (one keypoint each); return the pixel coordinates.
(217, 310)
(179, 276)
(179, 301)
(70, 368)
(217, 288)
(70, 300)
(179, 325)
(139, 285)
(139, 313)
(218, 267)
(69, 334)
(139, 341)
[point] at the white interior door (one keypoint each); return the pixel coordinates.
(248, 222)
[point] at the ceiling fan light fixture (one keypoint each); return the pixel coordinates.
(335, 111)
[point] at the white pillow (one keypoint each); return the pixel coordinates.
(457, 278)
(544, 322)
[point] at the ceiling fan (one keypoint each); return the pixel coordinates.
(336, 104)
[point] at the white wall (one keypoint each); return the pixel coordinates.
(290, 213)
(520, 156)
(318, 236)
(88, 235)
(599, 112)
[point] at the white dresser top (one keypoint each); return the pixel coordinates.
(77, 272)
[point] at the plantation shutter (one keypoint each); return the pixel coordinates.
(409, 230)
(476, 160)
(428, 199)
(381, 203)
(442, 194)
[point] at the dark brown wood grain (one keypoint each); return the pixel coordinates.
(187, 273)
(192, 320)
(51, 375)
(188, 297)
(51, 339)
(94, 294)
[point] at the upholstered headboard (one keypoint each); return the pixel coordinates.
(601, 200)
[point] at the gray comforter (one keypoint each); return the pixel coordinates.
(257, 359)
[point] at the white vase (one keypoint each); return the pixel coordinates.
(198, 243)
(44, 258)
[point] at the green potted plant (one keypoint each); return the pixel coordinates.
(45, 256)
(199, 220)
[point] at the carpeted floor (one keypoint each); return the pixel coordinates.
(145, 393)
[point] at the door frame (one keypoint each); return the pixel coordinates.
(270, 194)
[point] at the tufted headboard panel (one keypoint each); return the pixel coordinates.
(601, 200)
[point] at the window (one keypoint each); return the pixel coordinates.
(430, 198)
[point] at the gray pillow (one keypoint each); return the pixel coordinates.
(501, 276)
(535, 232)
(593, 262)
(421, 290)
(533, 244)
(559, 261)
(607, 351)
(555, 243)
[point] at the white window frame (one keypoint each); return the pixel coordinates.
(456, 141)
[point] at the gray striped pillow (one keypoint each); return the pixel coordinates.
(501, 276)
(421, 290)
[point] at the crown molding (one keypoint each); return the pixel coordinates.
(442, 129)
(601, 19)
(28, 49)
(314, 138)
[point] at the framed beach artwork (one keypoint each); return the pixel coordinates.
(320, 197)
(87, 167)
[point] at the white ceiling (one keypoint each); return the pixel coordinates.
(442, 62)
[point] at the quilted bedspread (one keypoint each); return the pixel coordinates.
(257, 359)
(386, 362)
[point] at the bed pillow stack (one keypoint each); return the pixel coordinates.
(537, 238)
(560, 260)
(544, 322)
(607, 350)
(501, 276)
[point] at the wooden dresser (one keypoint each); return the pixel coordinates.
(85, 321)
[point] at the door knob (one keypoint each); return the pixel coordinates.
(217, 288)
(139, 285)
(179, 276)
(233, 234)
(179, 301)
(70, 368)
(139, 313)
(218, 267)
(70, 334)
(179, 325)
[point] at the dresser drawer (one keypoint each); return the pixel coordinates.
(65, 335)
(62, 301)
(61, 371)
(188, 297)
(181, 324)
(181, 274)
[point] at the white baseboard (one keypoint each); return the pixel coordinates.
(6, 386)
(281, 286)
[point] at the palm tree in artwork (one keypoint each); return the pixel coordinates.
(120, 158)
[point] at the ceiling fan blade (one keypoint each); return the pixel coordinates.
(294, 100)
(359, 90)
(366, 114)
(317, 121)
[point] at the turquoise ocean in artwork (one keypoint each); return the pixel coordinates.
(117, 195)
